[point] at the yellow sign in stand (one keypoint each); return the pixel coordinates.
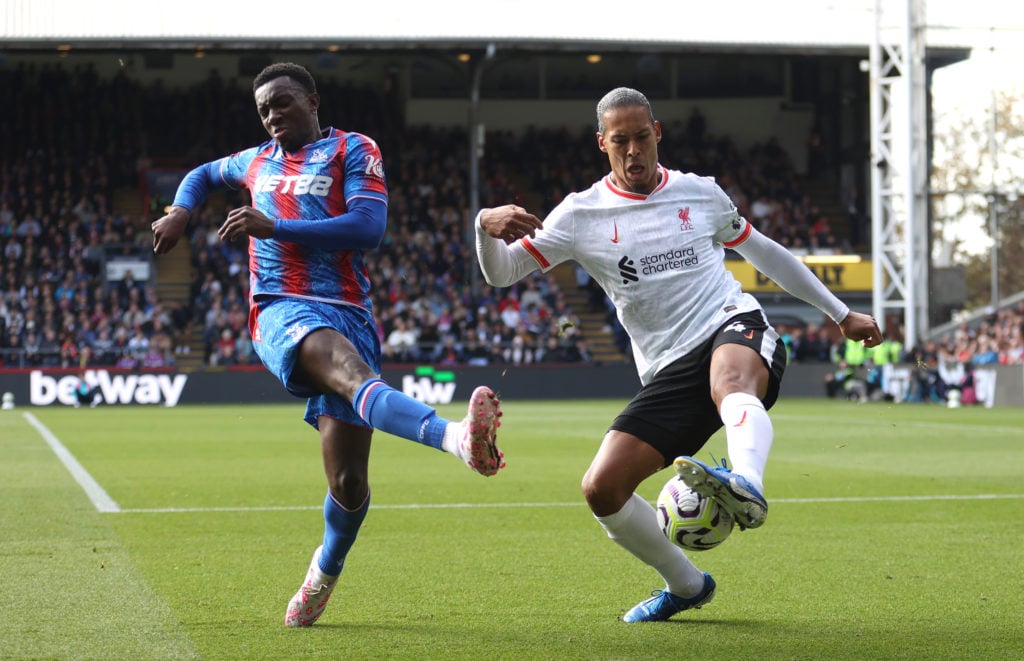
(839, 273)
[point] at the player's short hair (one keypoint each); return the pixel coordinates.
(294, 71)
(621, 97)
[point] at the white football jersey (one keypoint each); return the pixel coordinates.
(659, 257)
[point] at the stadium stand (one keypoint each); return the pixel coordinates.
(71, 205)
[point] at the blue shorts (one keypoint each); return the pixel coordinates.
(283, 322)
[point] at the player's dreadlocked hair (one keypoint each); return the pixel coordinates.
(295, 71)
(621, 97)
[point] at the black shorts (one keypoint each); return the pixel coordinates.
(674, 413)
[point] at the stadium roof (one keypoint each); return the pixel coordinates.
(806, 26)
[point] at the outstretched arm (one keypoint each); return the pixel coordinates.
(791, 274)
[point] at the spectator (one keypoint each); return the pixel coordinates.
(812, 346)
(927, 386)
(553, 351)
(68, 351)
(29, 226)
(449, 352)
(126, 361)
(520, 352)
(401, 345)
(138, 343)
(31, 347)
(224, 350)
(844, 382)
(103, 347)
(952, 377)
(477, 352)
(983, 371)
(87, 393)
(50, 348)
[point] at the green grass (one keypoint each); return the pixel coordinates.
(882, 542)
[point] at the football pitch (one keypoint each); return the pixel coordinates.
(894, 532)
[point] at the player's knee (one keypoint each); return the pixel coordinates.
(602, 493)
(349, 486)
(736, 384)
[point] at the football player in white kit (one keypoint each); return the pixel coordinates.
(655, 240)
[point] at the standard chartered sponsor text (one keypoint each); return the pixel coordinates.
(669, 261)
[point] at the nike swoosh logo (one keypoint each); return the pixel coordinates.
(615, 237)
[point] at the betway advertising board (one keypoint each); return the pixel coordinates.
(431, 385)
(434, 386)
(113, 388)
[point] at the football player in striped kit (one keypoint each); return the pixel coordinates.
(319, 200)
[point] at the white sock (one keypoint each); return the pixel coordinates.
(748, 436)
(452, 439)
(319, 577)
(635, 528)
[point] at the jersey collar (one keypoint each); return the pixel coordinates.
(637, 196)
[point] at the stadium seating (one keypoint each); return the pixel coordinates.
(71, 203)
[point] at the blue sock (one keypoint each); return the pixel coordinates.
(394, 412)
(341, 528)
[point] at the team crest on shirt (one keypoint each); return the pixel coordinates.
(319, 156)
(684, 220)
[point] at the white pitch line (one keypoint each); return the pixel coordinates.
(99, 497)
(445, 506)
(306, 508)
(886, 422)
(875, 499)
(105, 504)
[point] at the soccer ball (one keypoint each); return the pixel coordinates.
(691, 520)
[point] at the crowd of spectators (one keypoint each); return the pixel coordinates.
(58, 231)
(63, 156)
(955, 368)
(952, 369)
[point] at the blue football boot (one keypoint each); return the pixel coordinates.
(732, 491)
(663, 604)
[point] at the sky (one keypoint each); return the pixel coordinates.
(995, 31)
(996, 62)
(965, 90)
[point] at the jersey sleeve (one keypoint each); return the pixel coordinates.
(790, 273)
(364, 170)
(233, 170)
(731, 229)
(226, 172)
(553, 243)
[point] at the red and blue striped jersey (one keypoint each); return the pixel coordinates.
(318, 183)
